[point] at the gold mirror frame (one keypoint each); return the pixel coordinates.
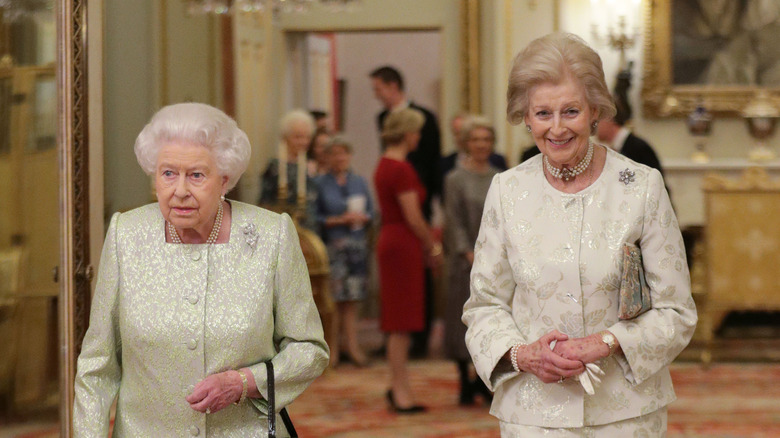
(660, 97)
(74, 271)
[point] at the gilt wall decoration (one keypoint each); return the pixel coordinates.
(720, 52)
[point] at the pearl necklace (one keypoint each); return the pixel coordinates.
(568, 174)
(212, 236)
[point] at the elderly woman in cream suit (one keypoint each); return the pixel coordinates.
(194, 294)
(543, 310)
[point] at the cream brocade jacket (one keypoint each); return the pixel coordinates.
(165, 316)
(548, 260)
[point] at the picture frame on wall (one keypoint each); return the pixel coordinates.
(717, 54)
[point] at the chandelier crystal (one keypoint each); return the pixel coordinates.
(202, 7)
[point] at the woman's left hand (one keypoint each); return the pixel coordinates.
(586, 350)
(216, 391)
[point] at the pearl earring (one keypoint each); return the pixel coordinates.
(222, 197)
(528, 128)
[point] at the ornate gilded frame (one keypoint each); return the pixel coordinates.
(660, 97)
(74, 272)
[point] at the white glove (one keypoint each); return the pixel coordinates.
(589, 379)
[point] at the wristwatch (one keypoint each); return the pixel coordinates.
(609, 339)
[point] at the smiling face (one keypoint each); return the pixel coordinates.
(560, 118)
(479, 145)
(188, 186)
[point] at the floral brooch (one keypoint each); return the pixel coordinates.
(250, 235)
(627, 176)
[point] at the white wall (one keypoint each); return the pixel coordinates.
(417, 55)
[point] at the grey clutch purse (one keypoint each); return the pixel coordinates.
(634, 298)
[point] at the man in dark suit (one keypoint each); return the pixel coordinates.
(613, 134)
(388, 87)
(450, 161)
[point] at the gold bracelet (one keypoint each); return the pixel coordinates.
(244, 389)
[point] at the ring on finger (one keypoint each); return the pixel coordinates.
(208, 410)
(561, 379)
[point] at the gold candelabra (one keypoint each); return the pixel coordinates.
(619, 39)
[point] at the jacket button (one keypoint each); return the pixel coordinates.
(193, 299)
(192, 344)
(194, 431)
(195, 255)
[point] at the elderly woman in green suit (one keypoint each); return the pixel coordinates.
(194, 294)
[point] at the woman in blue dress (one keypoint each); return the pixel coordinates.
(344, 209)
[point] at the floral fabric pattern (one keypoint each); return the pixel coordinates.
(547, 260)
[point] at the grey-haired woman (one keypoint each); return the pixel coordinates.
(544, 320)
(194, 294)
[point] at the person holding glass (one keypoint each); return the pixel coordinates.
(344, 209)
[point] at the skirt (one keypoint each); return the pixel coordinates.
(650, 425)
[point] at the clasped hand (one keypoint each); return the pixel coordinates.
(567, 359)
(216, 391)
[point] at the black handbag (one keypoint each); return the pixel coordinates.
(272, 407)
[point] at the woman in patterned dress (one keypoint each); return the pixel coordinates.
(344, 208)
(194, 294)
(544, 306)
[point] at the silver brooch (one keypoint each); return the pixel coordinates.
(627, 176)
(250, 235)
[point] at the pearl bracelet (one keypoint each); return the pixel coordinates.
(244, 389)
(513, 356)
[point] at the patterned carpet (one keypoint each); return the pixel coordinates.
(725, 401)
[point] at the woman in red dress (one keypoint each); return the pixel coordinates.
(405, 245)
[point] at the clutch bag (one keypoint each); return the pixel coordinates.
(634, 298)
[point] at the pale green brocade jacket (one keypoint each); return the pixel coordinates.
(547, 260)
(165, 316)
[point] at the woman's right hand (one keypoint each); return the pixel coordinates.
(538, 359)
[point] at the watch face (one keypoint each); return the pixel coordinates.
(608, 339)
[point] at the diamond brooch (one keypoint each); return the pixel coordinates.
(627, 176)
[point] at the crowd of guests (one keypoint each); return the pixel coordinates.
(530, 259)
(409, 250)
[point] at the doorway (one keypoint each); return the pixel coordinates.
(29, 225)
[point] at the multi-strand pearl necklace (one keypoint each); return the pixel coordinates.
(568, 174)
(212, 236)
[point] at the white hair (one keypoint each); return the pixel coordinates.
(294, 117)
(200, 124)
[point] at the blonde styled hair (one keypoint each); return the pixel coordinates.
(476, 122)
(398, 123)
(197, 124)
(551, 59)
